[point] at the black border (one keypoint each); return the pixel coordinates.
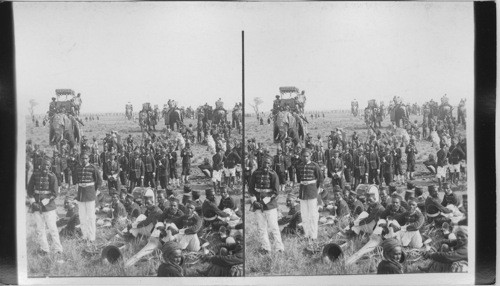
(8, 127)
(485, 103)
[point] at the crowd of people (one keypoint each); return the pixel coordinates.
(353, 165)
(136, 186)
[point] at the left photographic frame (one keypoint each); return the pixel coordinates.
(131, 115)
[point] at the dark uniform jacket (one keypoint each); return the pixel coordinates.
(149, 164)
(172, 160)
(388, 166)
(227, 203)
(356, 207)
(43, 186)
(442, 158)
(432, 206)
(123, 161)
(264, 183)
(451, 199)
(217, 160)
(111, 169)
(335, 165)
(192, 224)
(119, 210)
(186, 155)
(342, 208)
(209, 210)
(374, 213)
(163, 167)
(84, 175)
(152, 216)
(373, 161)
(136, 168)
(360, 164)
(398, 215)
(414, 220)
(279, 164)
(308, 172)
(232, 160)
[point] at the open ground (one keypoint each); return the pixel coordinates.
(294, 261)
(81, 259)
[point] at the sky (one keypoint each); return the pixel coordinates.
(113, 53)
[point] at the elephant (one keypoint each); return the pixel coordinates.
(287, 125)
(400, 114)
(64, 127)
(173, 117)
(219, 115)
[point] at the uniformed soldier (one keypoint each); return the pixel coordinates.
(42, 191)
(336, 169)
(310, 178)
(172, 163)
(360, 168)
(111, 172)
(186, 155)
(88, 180)
(374, 165)
(263, 189)
(163, 169)
(149, 169)
(411, 151)
(136, 173)
(279, 168)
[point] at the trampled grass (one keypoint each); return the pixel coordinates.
(82, 259)
(294, 261)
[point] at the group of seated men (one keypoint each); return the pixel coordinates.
(405, 211)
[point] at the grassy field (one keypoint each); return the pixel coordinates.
(294, 261)
(80, 259)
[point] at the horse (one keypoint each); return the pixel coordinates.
(64, 127)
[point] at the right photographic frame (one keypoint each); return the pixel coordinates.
(359, 140)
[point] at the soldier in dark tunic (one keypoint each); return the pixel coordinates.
(293, 218)
(89, 180)
(360, 168)
(263, 190)
(434, 209)
(211, 212)
(42, 191)
(136, 171)
(149, 169)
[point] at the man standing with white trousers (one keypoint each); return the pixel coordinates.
(310, 177)
(88, 182)
(263, 189)
(42, 190)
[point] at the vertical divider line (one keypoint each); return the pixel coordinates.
(243, 192)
